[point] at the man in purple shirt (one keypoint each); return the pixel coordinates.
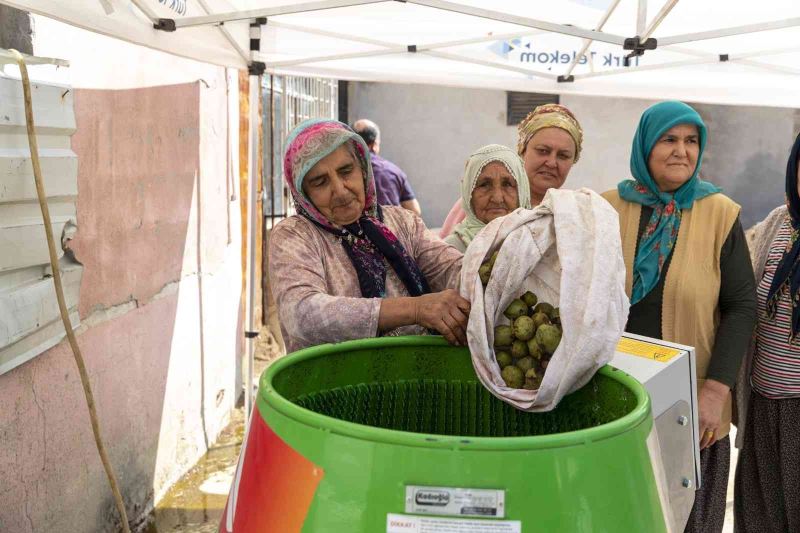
(391, 183)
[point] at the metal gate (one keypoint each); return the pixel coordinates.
(289, 100)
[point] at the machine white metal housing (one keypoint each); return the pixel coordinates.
(667, 371)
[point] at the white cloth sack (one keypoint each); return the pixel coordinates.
(567, 250)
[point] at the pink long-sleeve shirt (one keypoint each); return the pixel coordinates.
(454, 217)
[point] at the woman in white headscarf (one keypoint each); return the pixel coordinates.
(494, 184)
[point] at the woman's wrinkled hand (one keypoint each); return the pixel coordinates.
(446, 312)
(711, 402)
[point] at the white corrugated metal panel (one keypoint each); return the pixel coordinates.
(29, 318)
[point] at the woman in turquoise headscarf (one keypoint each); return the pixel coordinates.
(689, 277)
(493, 185)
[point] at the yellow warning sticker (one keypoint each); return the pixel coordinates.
(646, 350)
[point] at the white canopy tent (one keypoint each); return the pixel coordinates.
(711, 51)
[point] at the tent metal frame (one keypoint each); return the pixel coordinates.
(588, 42)
(254, 97)
(703, 58)
(729, 32)
(150, 14)
(145, 9)
(641, 17)
(221, 18)
(225, 33)
(644, 31)
(393, 48)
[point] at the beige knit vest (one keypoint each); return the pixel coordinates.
(689, 312)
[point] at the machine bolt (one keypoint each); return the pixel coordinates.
(687, 483)
(682, 420)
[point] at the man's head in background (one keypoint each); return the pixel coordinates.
(370, 132)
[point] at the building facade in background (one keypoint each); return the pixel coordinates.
(430, 131)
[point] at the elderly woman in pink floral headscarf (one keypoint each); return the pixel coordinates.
(345, 268)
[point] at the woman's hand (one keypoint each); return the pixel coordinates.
(711, 401)
(446, 312)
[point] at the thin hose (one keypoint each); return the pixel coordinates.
(62, 305)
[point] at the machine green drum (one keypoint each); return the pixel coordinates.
(396, 434)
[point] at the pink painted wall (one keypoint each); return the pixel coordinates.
(52, 476)
(138, 154)
(160, 310)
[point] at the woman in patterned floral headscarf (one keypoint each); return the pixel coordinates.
(690, 279)
(549, 143)
(345, 268)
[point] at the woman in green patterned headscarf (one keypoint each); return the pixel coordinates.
(689, 277)
(493, 185)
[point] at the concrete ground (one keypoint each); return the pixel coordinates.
(195, 503)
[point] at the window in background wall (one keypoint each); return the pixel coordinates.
(289, 100)
(518, 105)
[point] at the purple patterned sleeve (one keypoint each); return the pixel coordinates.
(309, 314)
(406, 192)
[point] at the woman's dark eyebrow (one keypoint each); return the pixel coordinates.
(344, 167)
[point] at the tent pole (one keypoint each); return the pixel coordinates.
(482, 39)
(352, 55)
(641, 17)
(426, 46)
(251, 238)
(225, 33)
(641, 68)
(145, 9)
(767, 66)
(252, 211)
(588, 42)
(727, 32)
(659, 18)
(393, 48)
(743, 55)
(704, 58)
(522, 21)
(218, 18)
(324, 33)
(490, 64)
